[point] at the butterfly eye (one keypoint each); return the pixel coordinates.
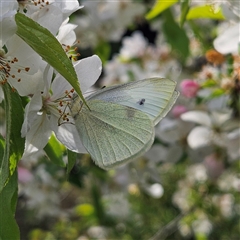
(141, 101)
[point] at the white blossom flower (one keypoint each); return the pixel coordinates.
(179, 197)
(230, 8)
(117, 72)
(202, 225)
(133, 46)
(155, 190)
(44, 12)
(196, 173)
(233, 144)
(97, 232)
(229, 181)
(66, 35)
(228, 40)
(214, 129)
(41, 193)
(46, 109)
(21, 67)
(139, 60)
(226, 203)
(105, 20)
(172, 132)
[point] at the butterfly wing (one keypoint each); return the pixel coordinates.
(153, 96)
(113, 134)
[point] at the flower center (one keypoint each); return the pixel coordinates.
(59, 107)
(9, 68)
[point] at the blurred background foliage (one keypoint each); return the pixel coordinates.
(187, 186)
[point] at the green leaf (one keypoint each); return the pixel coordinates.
(209, 83)
(84, 209)
(72, 156)
(103, 50)
(175, 35)
(54, 150)
(2, 144)
(184, 11)
(159, 7)
(205, 11)
(199, 31)
(201, 236)
(217, 93)
(14, 143)
(230, 62)
(47, 46)
(8, 199)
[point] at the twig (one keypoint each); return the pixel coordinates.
(170, 228)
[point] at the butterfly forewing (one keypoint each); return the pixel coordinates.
(153, 96)
(113, 134)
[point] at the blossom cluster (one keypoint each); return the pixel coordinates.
(105, 21)
(191, 168)
(30, 76)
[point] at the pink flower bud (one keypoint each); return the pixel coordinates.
(189, 88)
(214, 166)
(177, 110)
(24, 175)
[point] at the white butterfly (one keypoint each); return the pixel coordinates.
(119, 127)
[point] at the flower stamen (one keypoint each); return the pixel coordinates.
(9, 68)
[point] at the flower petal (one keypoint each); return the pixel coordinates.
(88, 71)
(155, 190)
(68, 135)
(233, 144)
(37, 137)
(199, 137)
(199, 117)
(26, 72)
(7, 20)
(31, 110)
(44, 16)
(29, 84)
(228, 41)
(66, 34)
(220, 117)
(59, 87)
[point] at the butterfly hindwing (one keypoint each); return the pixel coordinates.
(113, 134)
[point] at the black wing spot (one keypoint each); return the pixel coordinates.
(141, 101)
